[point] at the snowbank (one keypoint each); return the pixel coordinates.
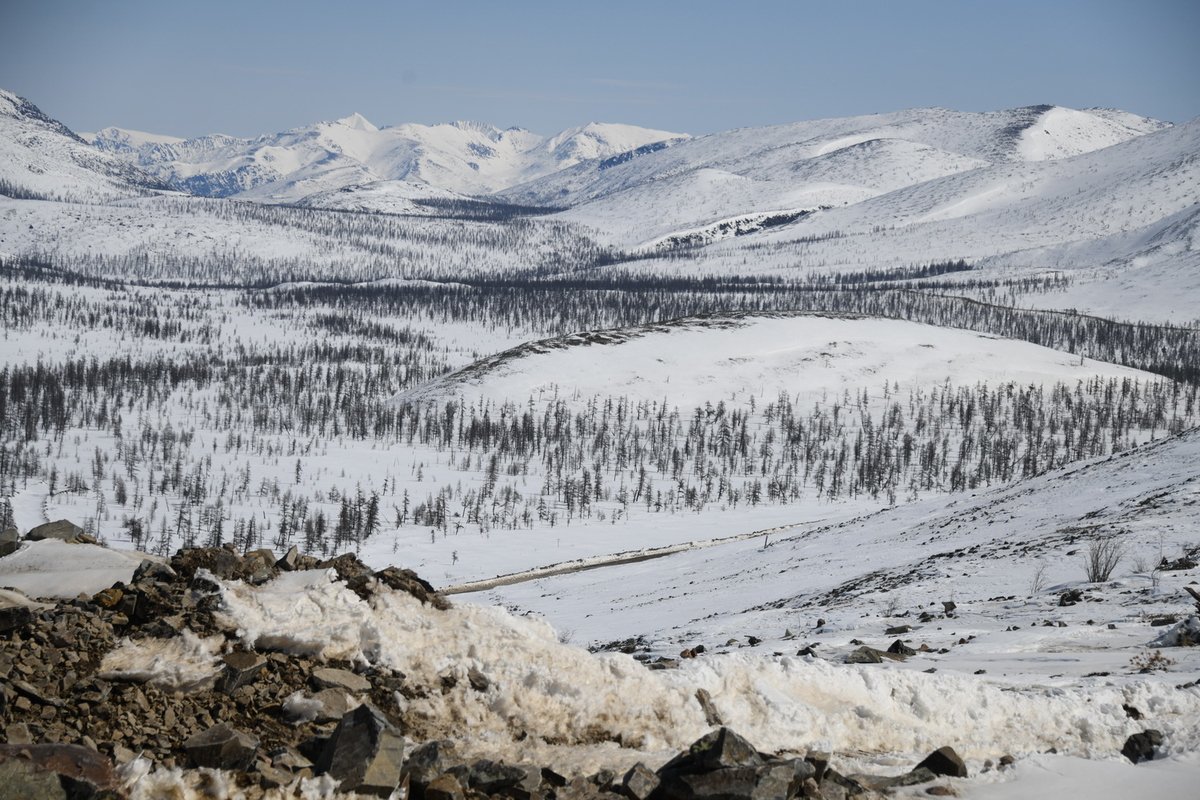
(51, 568)
(563, 695)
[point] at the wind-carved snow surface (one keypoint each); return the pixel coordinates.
(590, 709)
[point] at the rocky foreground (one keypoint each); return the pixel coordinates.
(83, 719)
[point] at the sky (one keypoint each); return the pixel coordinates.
(258, 66)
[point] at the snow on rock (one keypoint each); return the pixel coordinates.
(182, 663)
(1186, 633)
(51, 568)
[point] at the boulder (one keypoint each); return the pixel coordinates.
(153, 571)
(899, 648)
(764, 782)
(864, 655)
(77, 771)
(220, 561)
(14, 616)
(10, 541)
(258, 566)
(1140, 746)
(365, 753)
(62, 529)
(290, 561)
(719, 749)
(723, 766)
(944, 761)
(222, 747)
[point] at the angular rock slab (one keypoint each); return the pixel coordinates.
(365, 753)
(332, 678)
(222, 747)
(944, 761)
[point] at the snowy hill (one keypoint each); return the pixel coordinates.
(733, 357)
(462, 157)
(41, 157)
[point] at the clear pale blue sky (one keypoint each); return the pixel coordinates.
(243, 68)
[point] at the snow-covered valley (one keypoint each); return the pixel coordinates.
(805, 417)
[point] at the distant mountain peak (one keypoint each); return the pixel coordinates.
(357, 122)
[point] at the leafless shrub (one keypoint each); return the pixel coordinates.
(1038, 581)
(1102, 558)
(1151, 662)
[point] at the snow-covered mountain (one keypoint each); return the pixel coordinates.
(818, 163)
(463, 158)
(42, 158)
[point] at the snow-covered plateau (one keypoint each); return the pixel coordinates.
(860, 437)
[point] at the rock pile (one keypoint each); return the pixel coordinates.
(272, 721)
(267, 716)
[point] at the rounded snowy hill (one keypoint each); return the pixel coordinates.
(712, 358)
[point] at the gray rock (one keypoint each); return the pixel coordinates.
(241, 667)
(150, 570)
(258, 566)
(332, 678)
(77, 771)
(899, 648)
(335, 704)
(18, 733)
(429, 761)
(944, 761)
(1140, 746)
(222, 747)
(365, 753)
(10, 541)
(639, 782)
(479, 682)
(21, 779)
(290, 561)
(289, 758)
(492, 777)
(864, 655)
(720, 749)
(62, 529)
(766, 782)
(13, 617)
